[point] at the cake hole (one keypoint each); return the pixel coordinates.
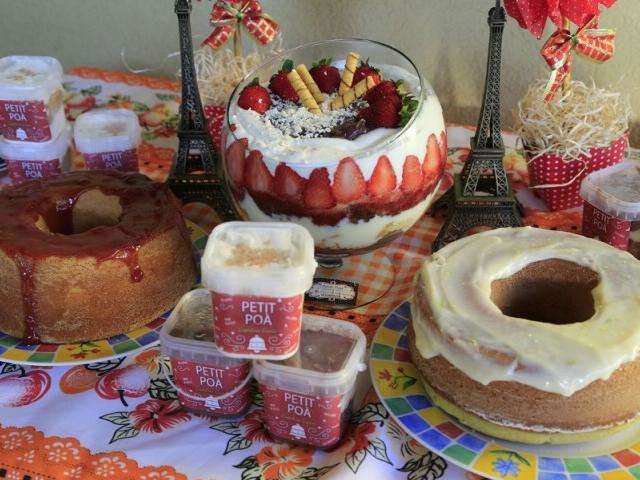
(91, 209)
(549, 291)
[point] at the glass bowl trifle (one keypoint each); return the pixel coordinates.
(343, 136)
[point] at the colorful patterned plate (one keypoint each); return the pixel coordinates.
(12, 349)
(396, 382)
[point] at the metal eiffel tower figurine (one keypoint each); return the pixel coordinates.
(481, 194)
(197, 173)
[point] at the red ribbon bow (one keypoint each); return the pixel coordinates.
(589, 41)
(228, 15)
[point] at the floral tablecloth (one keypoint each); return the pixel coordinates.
(64, 423)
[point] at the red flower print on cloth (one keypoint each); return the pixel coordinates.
(157, 415)
(360, 436)
(283, 462)
(252, 427)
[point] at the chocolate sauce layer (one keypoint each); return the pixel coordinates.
(321, 351)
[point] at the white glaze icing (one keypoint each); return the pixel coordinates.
(555, 358)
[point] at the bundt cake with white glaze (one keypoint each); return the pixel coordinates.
(530, 335)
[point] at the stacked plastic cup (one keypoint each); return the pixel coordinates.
(34, 130)
(108, 139)
(255, 277)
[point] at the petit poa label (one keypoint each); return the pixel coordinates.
(257, 325)
(209, 381)
(308, 419)
(25, 121)
(609, 229)
(21, 170)
(124, 160)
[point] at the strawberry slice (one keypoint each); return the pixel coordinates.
(432, 166)
(383, 178)
(443, 146)
(288, 183)
(348, 182)
(317, 193)
(411, 174)
(256, 173)
(234, 157)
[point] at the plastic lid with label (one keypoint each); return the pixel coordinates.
(615, 190)
(259, 258)
(24, 77)
(322, 366)
(38, 151)
(106, 130)
(188, 332)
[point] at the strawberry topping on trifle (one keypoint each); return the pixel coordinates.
(333, 145)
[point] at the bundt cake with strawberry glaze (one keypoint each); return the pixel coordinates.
(530, 335)
(90, 254)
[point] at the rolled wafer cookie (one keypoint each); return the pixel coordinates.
(303, 92)
(310, 82)
(349, 70)
(359, 89)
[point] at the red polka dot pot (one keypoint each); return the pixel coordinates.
(557, 182)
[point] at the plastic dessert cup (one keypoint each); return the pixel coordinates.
(26, 160)
(307, 398)
(349, 215)
(31, 98)
(257, 274)
(612, 206)
(206, 380)
(108, 139)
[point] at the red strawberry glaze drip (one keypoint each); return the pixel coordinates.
(148, 209)
(25, 266)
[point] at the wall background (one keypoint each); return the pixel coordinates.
(446, 38)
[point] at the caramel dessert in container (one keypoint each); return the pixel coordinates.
(307, 398)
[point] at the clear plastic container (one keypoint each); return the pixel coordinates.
(612, 206)
(257, 274)
(31, 98)
(307, 398)
(26, 160)
(206, 380)
(108, 139)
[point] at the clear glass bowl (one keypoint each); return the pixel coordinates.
(356, 214)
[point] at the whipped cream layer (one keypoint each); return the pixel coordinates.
(253, 258)
(29, 77)
(305, 154)
(107, 130)
(554, 358)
